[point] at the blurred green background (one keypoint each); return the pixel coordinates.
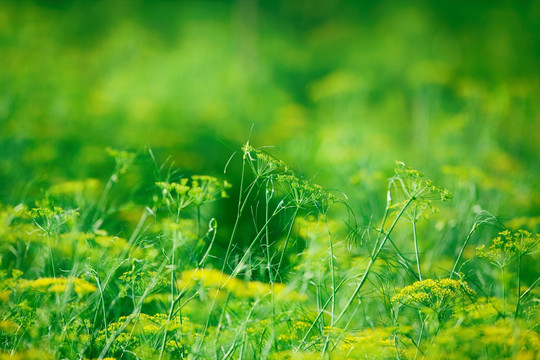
(340, 89)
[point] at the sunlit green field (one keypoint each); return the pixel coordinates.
(269, 180)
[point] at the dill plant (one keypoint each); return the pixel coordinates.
(169, 287)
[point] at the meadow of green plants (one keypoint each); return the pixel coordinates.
(269, 180)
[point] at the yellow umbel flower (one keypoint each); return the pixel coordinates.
(428, 292)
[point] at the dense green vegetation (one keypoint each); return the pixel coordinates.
(214, 180)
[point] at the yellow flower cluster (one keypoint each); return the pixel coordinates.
(80, 287)
(503, 340)
(302, 193)
(484, 309)
(197, 190)
(299, 192)
(416, 186)
(295, 331)
(428, 291)
(32, 354)
(508, 244)
(372, 343)
(296, 355)
(262, 164)
(377, 337)
(152, 324)
(215, 279)
(143, 330)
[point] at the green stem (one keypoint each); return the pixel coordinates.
(267, 233)
(416, 250)
(420, 335)
(102, 203)
(475, 226)
(198, 222)
(173, 298)
(375, 254)
(535, 282)
(213, 229)
(241, 206)
(373, 258)
(503, 290)
(516, 313)
(333, 271)
(287, 239)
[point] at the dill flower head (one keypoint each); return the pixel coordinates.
(414, 185)
(141, 329)
(504, 339)
(196, 190)
(371, 343)
(302, 193)
(431, 292)
(262, 164)
(507, 245)
(124, 159)
(483, 310)
(49, 218)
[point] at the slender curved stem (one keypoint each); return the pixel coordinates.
(416, 250)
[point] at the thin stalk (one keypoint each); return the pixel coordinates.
(102, 203)
(171, 309)
(385, 216)
(268, 197)
(241, 206)
(416, 250)
(403, 260)
(420, 335)
(320, 312)
(375, 254)
(475, 226)
(198, 222)
(53, 266)
(238, 268)
(259, 234)
(333, 272)
(287, 239)
(535, 282)
(503, 290)
(396, 347)
(131, 240)
(320, 308)
(213, 228)
(136, 311)
(267, 233)
(516, 313)
(373, 258)
(102, 304)
(346, 327)
(242, 329)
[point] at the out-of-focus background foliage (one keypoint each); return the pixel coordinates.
(341, 89)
